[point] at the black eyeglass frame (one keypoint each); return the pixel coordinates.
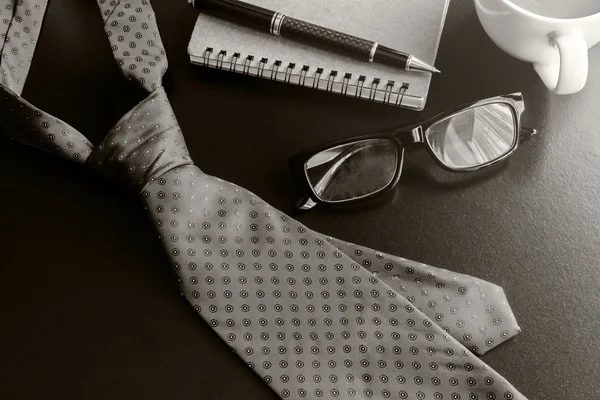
(407, 137)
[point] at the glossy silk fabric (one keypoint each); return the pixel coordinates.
(313, 316)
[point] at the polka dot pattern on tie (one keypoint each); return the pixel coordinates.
(312, 316)
(136, 44)
(306, 316)
(20, 24)
(474, 311)
(24, 123)
(143, 145)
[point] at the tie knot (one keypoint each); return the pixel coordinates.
(143, 145)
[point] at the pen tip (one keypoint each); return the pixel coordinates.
(414, 64)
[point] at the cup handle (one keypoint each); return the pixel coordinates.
(568, 76)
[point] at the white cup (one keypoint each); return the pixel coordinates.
(557, 47)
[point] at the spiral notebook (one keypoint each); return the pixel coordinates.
(412, 26)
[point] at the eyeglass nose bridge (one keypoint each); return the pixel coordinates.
(410, 135)
(417, 135)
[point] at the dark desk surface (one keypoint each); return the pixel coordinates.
(91, 309)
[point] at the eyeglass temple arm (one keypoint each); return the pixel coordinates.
(526, 133)
(305, 203)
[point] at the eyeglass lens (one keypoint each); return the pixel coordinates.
(353, 170)
(473, 137)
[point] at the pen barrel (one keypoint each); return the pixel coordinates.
(238, 11)
(327, 38)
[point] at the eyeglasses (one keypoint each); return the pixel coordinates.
(467, 138)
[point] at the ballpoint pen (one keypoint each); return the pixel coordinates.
(280, 24)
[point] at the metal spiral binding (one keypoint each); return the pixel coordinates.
(388, 92)
(247, 64)
(275, 70)
(374, 86)
(345, 82)
(361, 83)
(206, 56)
(331, 80)
(342, 86)
(303, 74)
(234, 60)
(288, 72)
(220, 58)
(317, 78)
(402, 90)
(261, 67)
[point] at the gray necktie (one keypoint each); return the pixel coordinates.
(313, 316)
